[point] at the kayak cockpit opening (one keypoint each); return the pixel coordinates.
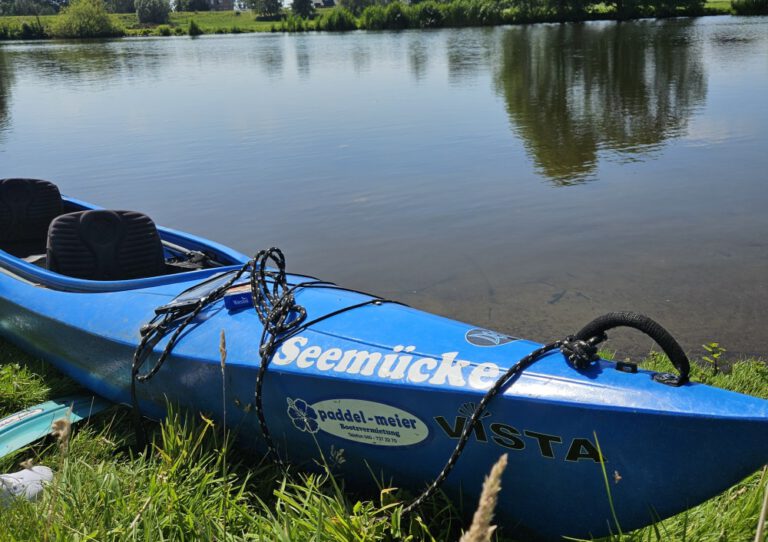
(40, 227)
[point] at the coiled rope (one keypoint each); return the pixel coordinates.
(276, 307)
(282, 318)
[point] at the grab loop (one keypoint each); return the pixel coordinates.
(597, 328)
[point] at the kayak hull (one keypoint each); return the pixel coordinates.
(388, 389)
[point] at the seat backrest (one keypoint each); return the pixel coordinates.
(105, 245)
(27, 207)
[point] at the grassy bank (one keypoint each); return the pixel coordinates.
(211, 22)
(194, 486)
(230, 22)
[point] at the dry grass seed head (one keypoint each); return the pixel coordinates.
(481, 529)
(62, 429)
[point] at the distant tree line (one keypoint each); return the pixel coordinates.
(31, 7)
(266, 8)
(394, 15)
(472, 12)
(52, 7)
(750, 7)
(88, 19)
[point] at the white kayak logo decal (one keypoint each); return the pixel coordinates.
(357, 420)
(402, 363)
(486, 337)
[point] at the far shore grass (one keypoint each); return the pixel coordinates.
(231, 22)
(210, 22)
(193, 485)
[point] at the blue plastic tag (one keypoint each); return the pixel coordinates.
(238, 297)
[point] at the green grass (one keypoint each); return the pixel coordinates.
(210, 22)
(189, 488)
(722, 7)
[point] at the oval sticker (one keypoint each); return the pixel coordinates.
(361, 421)
(486, 337)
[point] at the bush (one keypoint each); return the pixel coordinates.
(31, 31)
(152, 11)
(426, 15)
(750, 7)
(457, 13)
(396, 16)
(336, 20)
(490, 13)
(85, 19)
(164, 30)
(374, 18)
(293, 23)
(23, 31)
(356, 6)
(194, 29)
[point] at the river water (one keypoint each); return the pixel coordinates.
(522, 178)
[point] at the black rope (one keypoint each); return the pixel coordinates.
(155, 331)
(580, 351)
(282, 318)
(276, 307)
(580, 354)
(279, 314)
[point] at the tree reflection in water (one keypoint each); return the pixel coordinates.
(6, 81)
(574, 90)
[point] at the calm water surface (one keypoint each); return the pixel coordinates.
(522, 178)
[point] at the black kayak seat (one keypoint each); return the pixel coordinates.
(27, 207)
(105, 245)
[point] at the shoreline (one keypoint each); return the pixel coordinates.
(30, 27)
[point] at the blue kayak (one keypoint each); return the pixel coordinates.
(391, 386)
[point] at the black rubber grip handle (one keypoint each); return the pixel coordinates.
(663, 338)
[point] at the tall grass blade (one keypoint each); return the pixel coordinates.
(759, 535)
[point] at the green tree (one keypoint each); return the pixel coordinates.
(192, 5)
(85, 19)
(356, 6)
(6, 82)
(152, 11)
(750, 7)
(120, 6)
(266, 8)
(31, 7)
(303, 8)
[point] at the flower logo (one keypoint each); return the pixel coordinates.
(302, 415)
